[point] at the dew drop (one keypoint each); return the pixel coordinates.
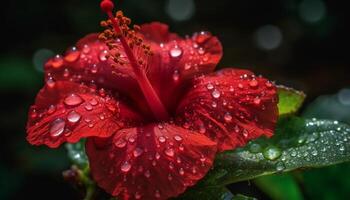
(94, 69)
(93, 102)
(138, 195)
(280, 166)
(176, 75)
(157, 194)
(157, 156)
(175, 52)
(86, 49)
(52, 109)
(161, 139)
(188, 66)
(228, 117)
(210, 86)
(57, 127)
(255, 148)
(125, 167)
(202, 129)
(201, 51)
(253, 83)
(50, 82)
(181, 171)
(257, 101)
(73, 117)
(103, 55)
(216, 94)
(72, 55)
(73, 100)
(214, 104)
(178, 138)
(120, 143)
(137, 152)
(169, 152)
(147, 173)
(170, 177)
(88, 107)
(272, 153)
(57, 61)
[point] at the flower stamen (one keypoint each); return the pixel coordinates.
(118, 30)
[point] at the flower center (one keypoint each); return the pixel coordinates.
(118, 31)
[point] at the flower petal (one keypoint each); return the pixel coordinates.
(178, 60)
(230, 106)
(156, 161)
(66, 111)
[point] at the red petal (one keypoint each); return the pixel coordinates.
(178, 59)
(88, 64)
(151, 162)
(66, 111)
(231, 106)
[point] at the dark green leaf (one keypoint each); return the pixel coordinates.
(290, 100)
(281, 186)
(297, 143)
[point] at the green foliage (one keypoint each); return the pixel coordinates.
(280, 186)
(290, 100)
(297, 144)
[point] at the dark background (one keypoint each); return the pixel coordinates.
(299, 43)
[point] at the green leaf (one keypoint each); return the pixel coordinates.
(76, 153)
(290, 100)
(280, 186)
(297, 143)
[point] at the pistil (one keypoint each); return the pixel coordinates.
(145, 85)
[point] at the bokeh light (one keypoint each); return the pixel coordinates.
(180, 10)
(268, 37)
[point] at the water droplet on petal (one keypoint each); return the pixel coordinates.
(73, 100)
(88, 107)
(94, 69)
(201, 51)
(147, 173)
(57, 61)
(120, 143)
(178, 138)
(72, 55)
(176, 75)
(228, 117)
(170, 177)
(73, 117)
(253, 83)
(181, 171)
(157, 194)
(103, 55)
(86, 49)
(161, 139)
(138, 195)
(188, 66)
(93, 102)
(125, 167)
(169, 152)
(210, 86)
(216, 94)
(50, 82)
(57, 127)
(52, 109)
(137, 152)
(175, 52)
(257, 101)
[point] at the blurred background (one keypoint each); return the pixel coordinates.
(299, 43)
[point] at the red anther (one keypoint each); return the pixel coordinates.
(106, 6)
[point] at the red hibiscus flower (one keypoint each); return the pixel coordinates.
(154, 112)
